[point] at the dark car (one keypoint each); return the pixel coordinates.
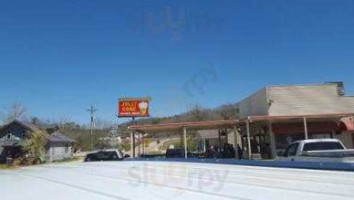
(175, 153)
(105, 155)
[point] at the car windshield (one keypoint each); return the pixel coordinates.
(291, 150)
(317, 146)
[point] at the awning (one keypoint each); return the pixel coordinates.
(294, 117)
(347, 124)
(199, 125)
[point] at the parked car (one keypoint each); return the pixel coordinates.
(175, 153)
(105, 155)
(179, 153)
(331, 150)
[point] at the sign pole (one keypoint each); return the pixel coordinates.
(133, 138)
(134, 107)
(185, 141)
(143, 141)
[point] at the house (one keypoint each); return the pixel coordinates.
(13, 135)
(278, 115)
(59, 147)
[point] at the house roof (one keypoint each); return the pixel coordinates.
(59, 137)
(27, 125)
(55, 137)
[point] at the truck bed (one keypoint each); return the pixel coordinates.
(331, 153)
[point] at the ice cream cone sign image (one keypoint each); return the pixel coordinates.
(143, 106)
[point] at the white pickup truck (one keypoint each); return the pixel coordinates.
(326, 150)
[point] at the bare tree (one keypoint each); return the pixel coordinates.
(197, 113)
(12, 112)
(103, 124)
(228, 111)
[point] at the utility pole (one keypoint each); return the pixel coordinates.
(92, 111)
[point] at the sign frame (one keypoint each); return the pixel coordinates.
(136, 100)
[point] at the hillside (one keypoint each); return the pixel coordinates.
(226, 111)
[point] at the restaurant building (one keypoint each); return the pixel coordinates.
(274, 116)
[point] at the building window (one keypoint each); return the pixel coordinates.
(9, 136)
(66, 148)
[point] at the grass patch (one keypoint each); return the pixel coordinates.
(6, 166)
(175, 142)
(75, 158)
(3, 166)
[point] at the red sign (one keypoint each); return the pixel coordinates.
(133, 108)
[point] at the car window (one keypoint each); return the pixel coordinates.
(291, 150)
(317, 146)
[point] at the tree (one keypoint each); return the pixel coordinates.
(197, 113)
(103, 124)
(147, 142)
(228, 111)
(35, 144)
(12, 112)
(124, 146)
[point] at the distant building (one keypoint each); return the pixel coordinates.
(13, 135)
(60, 147)
(288, 113)
(212, 137)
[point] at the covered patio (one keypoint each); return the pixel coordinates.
(261, 136)
(269, 130)
(183, 128)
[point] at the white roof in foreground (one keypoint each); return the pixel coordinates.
(318, 140)
(171, 180)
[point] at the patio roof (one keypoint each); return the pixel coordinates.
(204, 125)
(337, 116)
(200, 125)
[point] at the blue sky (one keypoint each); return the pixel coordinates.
(59, 57)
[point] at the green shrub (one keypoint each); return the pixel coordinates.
(35, 146)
